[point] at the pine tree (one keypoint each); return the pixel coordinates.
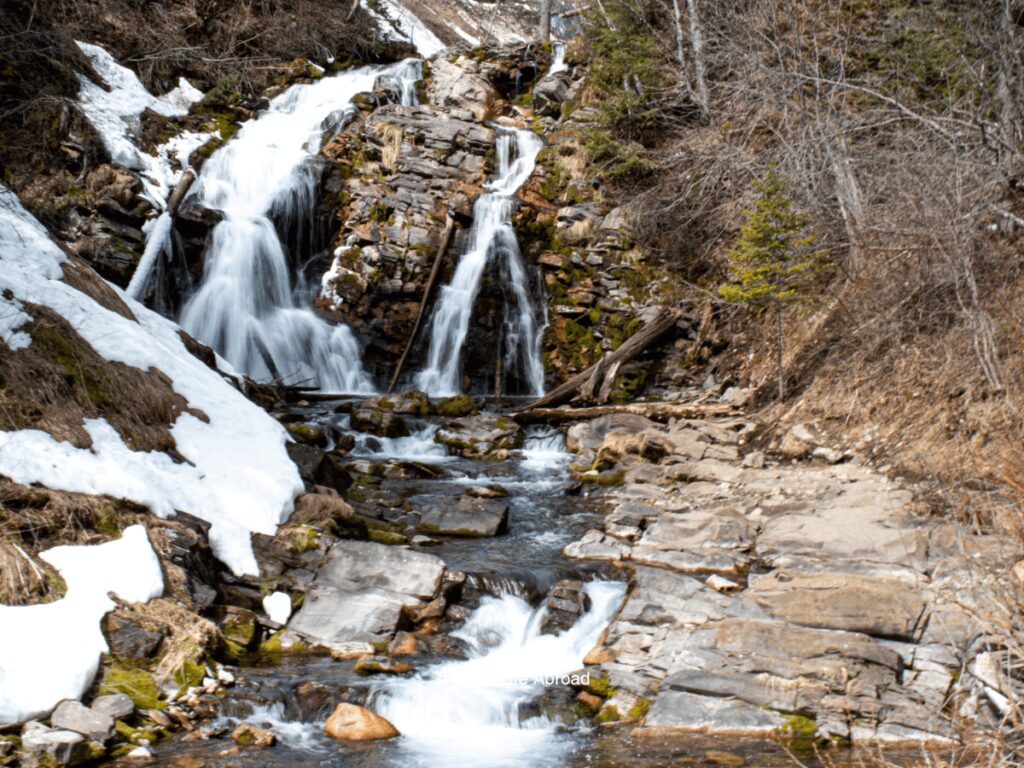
(773, 258)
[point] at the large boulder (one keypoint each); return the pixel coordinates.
(484, 436)
(45, 747)
(75, 716)
(590, 435)
(361, 591)
(350, 722)
(549, 94)
(452, 87)
(470, 516)
(563, 606)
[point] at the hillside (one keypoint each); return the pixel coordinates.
(381, 371)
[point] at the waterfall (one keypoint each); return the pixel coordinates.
(246, 306)
(491, 240)
(467, 712)
(557, 58)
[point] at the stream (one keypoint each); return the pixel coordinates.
(505, 701)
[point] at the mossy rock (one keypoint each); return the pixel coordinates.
(601, 686)
(608, 714)
(456, 406)
(387, 537)
(138, 684)
(307, 434)
(640, 709)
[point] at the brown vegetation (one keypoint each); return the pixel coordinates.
(896, 126)
(59, 381)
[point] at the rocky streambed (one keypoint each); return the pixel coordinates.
(656, 592)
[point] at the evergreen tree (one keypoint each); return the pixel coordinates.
(773, 258)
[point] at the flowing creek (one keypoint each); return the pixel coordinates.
(505, 701)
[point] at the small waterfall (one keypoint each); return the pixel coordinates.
(491, 240)
(265, 181)
(557, 58)
(466, 713)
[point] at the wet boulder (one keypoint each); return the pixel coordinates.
(378, 421)
(75, 716)
(563, 606)
(485, 436)
(350, 722)
(471, 517)
(362, 591)
(549, 94)
(249, 735)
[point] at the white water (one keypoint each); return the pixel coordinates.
(463, 714)
(492, 240)
(557, 59)
(419, 446)
(246, 307)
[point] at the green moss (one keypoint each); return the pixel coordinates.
(303, 538)
(138, 684)
(601, 686)
(387, 537)
(106, 521)
(608, 714)
(190, 673)
(639, 710)
(225, 93)
(800, 728)
(304, 433)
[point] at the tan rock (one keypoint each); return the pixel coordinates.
(249, 735)
(599, 655)
(724, 758)
(404, 644)
(350, 722)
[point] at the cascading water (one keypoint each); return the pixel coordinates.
(491, 240)
(246, 306)
(557, 59)
(466, 713)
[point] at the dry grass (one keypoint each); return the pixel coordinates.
(59, 381)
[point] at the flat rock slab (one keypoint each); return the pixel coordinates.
(470, 516)
(681, 712)
(875, 606)
(361, 590)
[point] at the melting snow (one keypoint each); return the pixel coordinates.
(278, 607)
(50, 652)
(399, 23)
(237, 474)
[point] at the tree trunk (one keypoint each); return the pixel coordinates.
(435, 272)
(697, 44)
(653, 411)
(778, 352)
(677, 18)
(591, 378)
(850, 205)
(545, 20)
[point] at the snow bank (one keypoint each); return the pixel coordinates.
(399, 23)
(237, 476)
(51, 652)
(115, 113)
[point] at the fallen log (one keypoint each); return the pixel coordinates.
(435, 272)
(653, 411)
(590, 381)
(180, 190)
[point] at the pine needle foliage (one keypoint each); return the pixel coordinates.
(774, 259)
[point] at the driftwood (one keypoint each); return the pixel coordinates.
(653, 411)
(180, 190)
(592, 380)
(435, 272)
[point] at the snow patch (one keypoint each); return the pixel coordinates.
(278, 607)
(51, 652)
(399, 23)
(237, 474)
